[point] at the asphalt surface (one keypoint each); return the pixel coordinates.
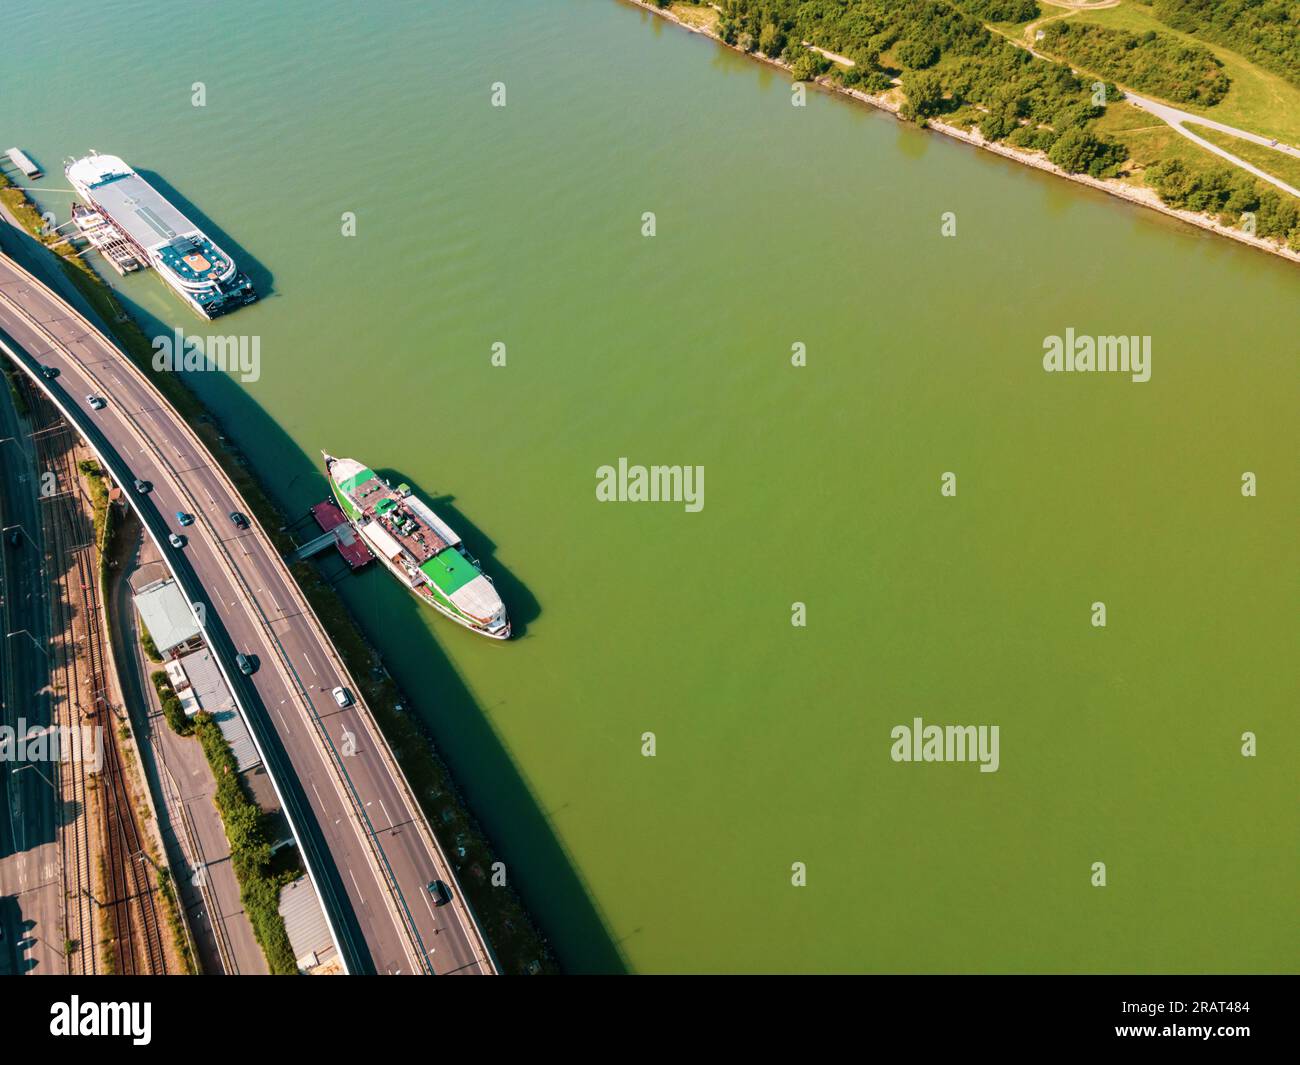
(359, 826)
(30, 871)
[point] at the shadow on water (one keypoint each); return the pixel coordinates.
(521, 605)
(493, 783)
(257, 273)
(498, 794)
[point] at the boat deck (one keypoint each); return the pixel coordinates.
(193, 259)
(385, 506)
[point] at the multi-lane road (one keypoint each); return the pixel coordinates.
(363, 836)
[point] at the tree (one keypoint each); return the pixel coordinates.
(917, 54)
(924, 92)
(1079, 152)
(994, 126)
(808, 65)
(771, 40)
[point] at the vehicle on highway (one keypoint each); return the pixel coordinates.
(49, 372)
(175, 540)
(143, 487)
(247, 665)
(342, 696)
(441, 892)
(238, 519)
(183, 518)
(96, 402)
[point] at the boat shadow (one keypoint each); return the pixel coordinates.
(521, 604)
(263, 281)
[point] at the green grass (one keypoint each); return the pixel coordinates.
(180, 937)
(695, 14)
(1149, 141)
(1258, 100)
(1282, 166)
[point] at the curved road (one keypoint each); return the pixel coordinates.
(1172, 116)
(365, 841)
(1177, 118)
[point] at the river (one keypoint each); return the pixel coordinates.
(775, 227)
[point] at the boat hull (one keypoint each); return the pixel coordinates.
(427, 600)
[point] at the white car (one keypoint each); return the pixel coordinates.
(342, 696)
(175, 540)
(97, 402)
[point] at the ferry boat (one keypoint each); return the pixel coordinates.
(185, 257)
(417, 547)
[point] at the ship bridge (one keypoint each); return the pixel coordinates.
(195, 260)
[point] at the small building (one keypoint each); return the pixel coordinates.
(169, 619)
(199, 685)
(309, 933)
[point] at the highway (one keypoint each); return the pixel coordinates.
(364, 839)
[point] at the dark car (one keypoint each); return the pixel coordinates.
(49, 372)
(239, 520)
(441, 892)
(183, 518)
(143, 487)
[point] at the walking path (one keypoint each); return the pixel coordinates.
(1177, 118)
(1171, 116)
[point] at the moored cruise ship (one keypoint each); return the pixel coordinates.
(184, 256)
(417, 547)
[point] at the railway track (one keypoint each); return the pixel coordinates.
(75, 790)
(134, 924)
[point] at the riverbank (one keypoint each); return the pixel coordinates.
(517, 944)
(1142, 196)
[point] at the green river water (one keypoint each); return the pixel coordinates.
(775, 225)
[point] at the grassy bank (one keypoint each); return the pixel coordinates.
(180, 934)
(963, 67)
(1280, 165)
(1258, 100)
